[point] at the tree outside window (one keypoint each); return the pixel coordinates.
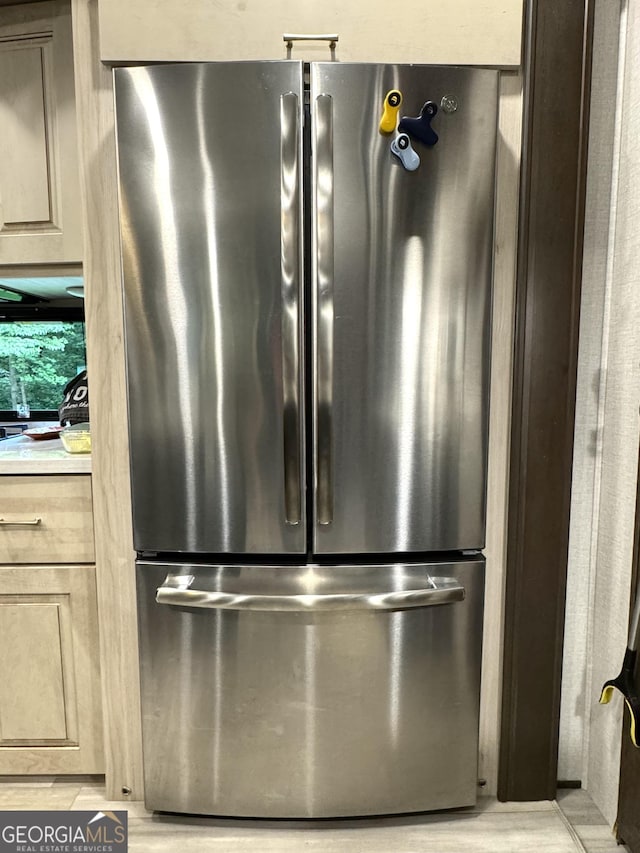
(37, 359)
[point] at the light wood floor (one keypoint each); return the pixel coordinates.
(570, 825)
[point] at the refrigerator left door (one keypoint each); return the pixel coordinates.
(210, 182)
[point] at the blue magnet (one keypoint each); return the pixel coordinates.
(401, 147)
(420, 128)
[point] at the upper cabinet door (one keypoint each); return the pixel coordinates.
(402, 284)
(457, 32)
(39, 183)
(210, 204)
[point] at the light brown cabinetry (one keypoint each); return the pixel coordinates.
(46, 519)
(50, 704)
(464, 32)
(39, 184)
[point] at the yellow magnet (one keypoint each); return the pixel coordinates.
(392, 102)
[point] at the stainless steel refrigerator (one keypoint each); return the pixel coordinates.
(307, 338)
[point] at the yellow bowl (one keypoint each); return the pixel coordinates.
(76, 438)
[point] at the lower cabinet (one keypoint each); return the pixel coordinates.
(50, 703)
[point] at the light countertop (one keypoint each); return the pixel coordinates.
(23, 455)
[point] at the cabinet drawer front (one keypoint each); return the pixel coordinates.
(46, 519)
(50, 702)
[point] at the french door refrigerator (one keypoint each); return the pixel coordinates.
(307, 339)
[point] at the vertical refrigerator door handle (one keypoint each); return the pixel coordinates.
(324, 305)
(290, 283)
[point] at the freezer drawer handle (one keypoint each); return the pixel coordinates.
(443, 591)
(290, 289)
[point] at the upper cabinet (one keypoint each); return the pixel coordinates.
(465, 32)
(39, 181)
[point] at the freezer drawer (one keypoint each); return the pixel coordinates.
(309, 691)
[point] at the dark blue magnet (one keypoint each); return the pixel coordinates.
(420, 128)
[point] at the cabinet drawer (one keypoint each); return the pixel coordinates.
(46, 519)
(50, 708)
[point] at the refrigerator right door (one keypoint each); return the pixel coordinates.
(402, 269)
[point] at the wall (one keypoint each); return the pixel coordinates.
(588, 427)
(606, 468)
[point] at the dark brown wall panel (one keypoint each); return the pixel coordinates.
(557, 72)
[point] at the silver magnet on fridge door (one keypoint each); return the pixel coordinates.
(401, 147)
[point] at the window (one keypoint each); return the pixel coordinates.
(42, 347)
(37, 359)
